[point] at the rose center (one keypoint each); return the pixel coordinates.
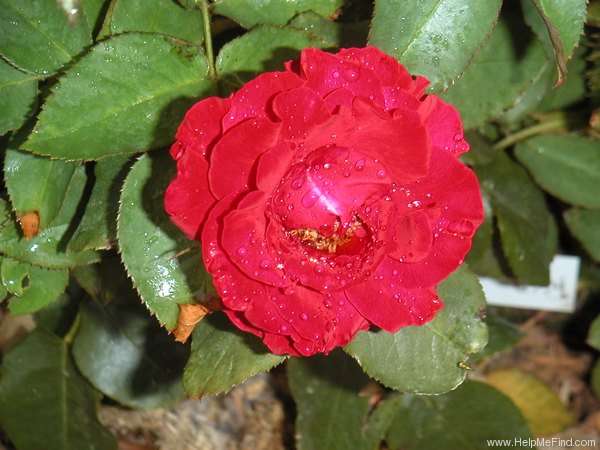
(341, 241)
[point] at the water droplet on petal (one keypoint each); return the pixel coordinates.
(264, 264)
(458, 137)
(381, 173)
(351, 74)
(303, 316)
(360, 165)
(283, 328)
(297, 183)
(335, 74)
(318, 268)
(461, 227)
(310, 198)
(242, 251)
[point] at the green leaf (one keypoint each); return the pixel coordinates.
(595, 379)
(18, 97)
(98, 227)
(36, 183)
(466, 418)
(47, 248)
(32, 287)
(427, 359)
(37, 36)
(328, 31)
(103, 280)
(125, 354)
(94, 13)
(564, 24)
(250, 13)
(484, 258)
(155, 16)
(593, 338)
(542, 97)
(567, 166)
(572, 90)
(127, 95)
(13, 274)
(583, 224)
(150, 244)
(498, 75)
(528, 232)
(330, 413)
(433, 38)
(262, 49)
(503, 335)
(45, 402)
(223, 356)
(58, 317)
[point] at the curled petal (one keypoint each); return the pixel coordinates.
(243, 239)
(414, 237)
(325, 72)
(397, 306)
(234, 157)
(253, 100)
(445, 127)
(300, 111)
(201, 126)
(188, 198)
(451, 198)
(402, 142)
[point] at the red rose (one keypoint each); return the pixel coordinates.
(327, 197)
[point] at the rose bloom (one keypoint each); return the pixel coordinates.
(327, 197)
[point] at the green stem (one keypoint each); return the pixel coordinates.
(558, 123)
(73, 330)
(208, 46)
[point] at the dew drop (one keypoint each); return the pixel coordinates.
(458, 137)
(460, 227)
(264, 264)
(318, 268)
(335, 74)
(381, 173)
(297, 183)
(360, 165)
(242, 251)
(351, 74)
(304, 316)
(283, 328)
(289, 290)
(310, 198)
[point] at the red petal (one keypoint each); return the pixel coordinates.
(243, 239)
(300, 110)
(325, 72)
(414, 237)
(201, 126)
(387, 68)
(450, 196)
(445, 126)
(273, 165)
(386, 303)
(235, 155)
(324, 321)
(188, 197)
(401, 143)
(252, 99)
(337, 130)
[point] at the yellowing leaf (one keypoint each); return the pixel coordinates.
(542, 409)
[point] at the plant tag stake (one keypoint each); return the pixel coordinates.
(559, 295)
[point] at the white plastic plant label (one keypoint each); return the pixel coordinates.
(559, 295)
